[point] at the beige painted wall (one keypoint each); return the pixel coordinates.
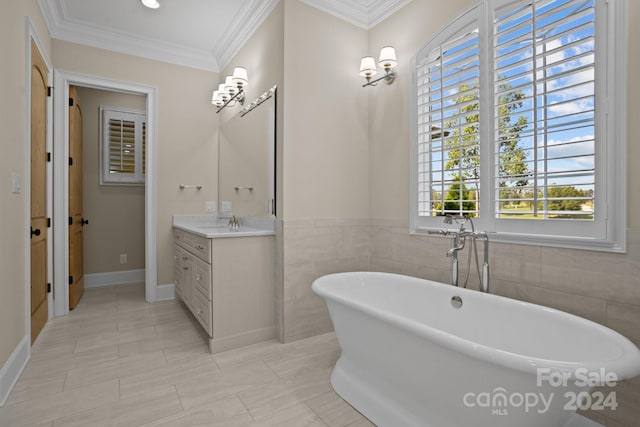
(407, 30)
(14, 227)
(326, 147)
(187, 131)
(262, 56)
(115, 212)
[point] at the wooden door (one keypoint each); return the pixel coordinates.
(38, 260)
(76, 220)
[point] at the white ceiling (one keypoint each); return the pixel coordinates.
(196, 33)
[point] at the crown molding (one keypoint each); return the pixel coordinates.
(362, 13)
(242, 26)
(382, 9)
(365, 14)
(246, 21)
(63, 28)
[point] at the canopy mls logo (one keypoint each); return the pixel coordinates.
(500, 401)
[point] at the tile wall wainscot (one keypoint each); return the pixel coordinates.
(278, 280)
(313, 248)
(600, 286)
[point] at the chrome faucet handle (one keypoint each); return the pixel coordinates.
(234, 224)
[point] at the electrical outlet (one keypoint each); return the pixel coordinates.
(227, 208)
(123, 258)
(210, 206)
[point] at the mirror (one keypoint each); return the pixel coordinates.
(247, 159)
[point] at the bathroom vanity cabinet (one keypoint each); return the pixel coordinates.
(228, 284)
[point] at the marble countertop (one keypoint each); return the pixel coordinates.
(213, 227)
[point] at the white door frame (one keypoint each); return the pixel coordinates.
(62, 80)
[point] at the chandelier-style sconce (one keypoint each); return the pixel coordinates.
(232, 90)
(387, 61)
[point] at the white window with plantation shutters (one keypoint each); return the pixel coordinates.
(519, 121)
(123, 138)
(448, 146)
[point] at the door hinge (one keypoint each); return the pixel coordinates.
(70, 102)
(70, 220)
(49, 91)
(48, 288)
(71, 280)
(48, 157)
(48, 222)
(70, 161)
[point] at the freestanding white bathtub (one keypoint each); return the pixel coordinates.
(410, 358)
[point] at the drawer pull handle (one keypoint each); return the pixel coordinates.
(200, 248)
(184, 258)
(185, 268)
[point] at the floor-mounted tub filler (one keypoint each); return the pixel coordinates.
(421, 353)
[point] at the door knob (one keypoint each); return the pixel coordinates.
(83, 222)
(35, 232)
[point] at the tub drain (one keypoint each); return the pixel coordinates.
(456, 302)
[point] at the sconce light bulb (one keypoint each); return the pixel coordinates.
(216, 100)
(387, 57)
(368, 67)
(222, 93)
(239, 77)
(229, 86)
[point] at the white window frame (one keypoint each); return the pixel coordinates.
(608, 231)
(107, 178)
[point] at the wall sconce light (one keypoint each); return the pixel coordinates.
(232, 90)
(387, 61)
(151, 4)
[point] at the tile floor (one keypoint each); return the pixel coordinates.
(118, 361)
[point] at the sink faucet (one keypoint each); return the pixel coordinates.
(234, 224)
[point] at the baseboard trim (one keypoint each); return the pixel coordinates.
(240, 340)
(113, 278)
(166, 292)
(12, 369)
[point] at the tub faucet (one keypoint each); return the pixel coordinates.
(458, 242)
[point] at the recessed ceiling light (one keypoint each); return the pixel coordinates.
(151, 4)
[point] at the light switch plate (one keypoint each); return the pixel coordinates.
(210, 206)
(16, 183)
(227, 208)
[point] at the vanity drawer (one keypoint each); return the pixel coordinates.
(202, 247)
(202, 311)
(202, 278)
(198, 245)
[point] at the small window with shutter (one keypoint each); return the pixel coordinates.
(123, 143)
